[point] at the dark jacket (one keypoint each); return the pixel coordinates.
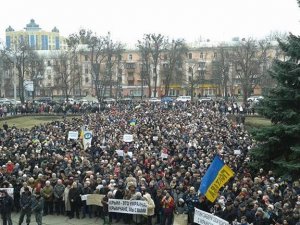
(25, 201)
(6, 203)
(37, 204)
(74, 195)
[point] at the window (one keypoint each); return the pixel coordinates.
(190, 55)
(202, 65)
(86, 58)
(49, 77)
(173, 92)
(201, 55)
(86, 80)
(119, 57)
(49, 63)
(130, 65)
(130, 82)
(165, 56)
(190, 70)
(86, 70)
(57, 46)
(120, 71)
(215, 55)
(130, 57)
(165, 65)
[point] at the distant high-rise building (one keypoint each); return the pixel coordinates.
(35, 37)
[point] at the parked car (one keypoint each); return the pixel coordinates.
(205, 99)
(255, 99)
(167, 99)
(109, 100)
(4, 101)
(14, 102)
(154, 100)
(184, 99)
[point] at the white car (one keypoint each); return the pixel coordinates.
(109, 100)
(184, 99)
(205, 99)
(254, 99)
(154, 100)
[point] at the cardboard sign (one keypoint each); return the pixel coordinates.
(73, 135)
(201, 217)
(128, 138)
(94, 199)
(128, 206)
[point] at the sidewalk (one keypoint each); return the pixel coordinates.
(60, 220)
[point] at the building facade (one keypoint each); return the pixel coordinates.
(197, 75)
(35, 37)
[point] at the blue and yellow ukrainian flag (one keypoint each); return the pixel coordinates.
(215, 177)
(132, 122)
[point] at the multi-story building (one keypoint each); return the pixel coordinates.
(197, 69)
(35, 37)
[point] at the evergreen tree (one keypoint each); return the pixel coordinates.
(278, 146)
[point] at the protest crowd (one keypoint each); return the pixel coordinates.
(168, 151)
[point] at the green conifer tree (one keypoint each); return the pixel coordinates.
(278, 145)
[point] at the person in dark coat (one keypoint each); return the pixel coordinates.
(25, 204)
(6, 202)
(75, 200)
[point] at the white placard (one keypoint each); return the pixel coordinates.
(120, 153)
(155, 138)
(128, 206)
(84, 197)
(204, 218)
(10, 191)
(164, 155)
(129, 154)
(128, 138)
(237, 152)
(73, 135)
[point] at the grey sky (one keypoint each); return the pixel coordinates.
(128, 20)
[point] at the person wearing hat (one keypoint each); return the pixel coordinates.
(191, 200)
(260, 217)
(181, 207)
(150, 207)
(37, 207)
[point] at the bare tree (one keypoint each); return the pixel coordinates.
(173, 59)
(20, 58)
(94, 50)
(247, 57)
(157, 44)
(144, 49)
(66, 72)
(112, 50)
(36, 71)
(193, 78)
(221, 66)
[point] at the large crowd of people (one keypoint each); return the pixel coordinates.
(173, 146)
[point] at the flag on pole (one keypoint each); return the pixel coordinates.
(215, 177)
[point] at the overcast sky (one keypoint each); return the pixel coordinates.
(128, 20)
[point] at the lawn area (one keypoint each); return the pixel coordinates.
(30, 121)
(257, 122)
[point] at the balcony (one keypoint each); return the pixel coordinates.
(130, 66)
